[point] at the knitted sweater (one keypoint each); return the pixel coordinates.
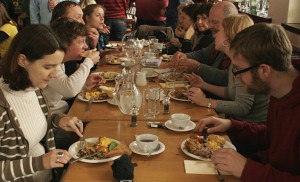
(279, 138)
(15, 162)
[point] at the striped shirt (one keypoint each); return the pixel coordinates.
(114, 8)
(15, 162)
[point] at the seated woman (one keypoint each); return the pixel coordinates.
(93, 16)
(184, 30)
(203, 35)
(237, 103)
(29, 64)
(8, 30)
(73, 35)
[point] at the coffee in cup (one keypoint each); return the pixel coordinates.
(147, 142)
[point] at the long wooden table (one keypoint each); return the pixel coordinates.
(107, 120)
(166, 166)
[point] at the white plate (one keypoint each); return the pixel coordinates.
(134, 148)
(152, 75)
(189, 127)
(166, 57)
(171, 96)
(107, 79)
(226, 145)
(112, 46)
(81, 97)
(73, 150)
(112, 102)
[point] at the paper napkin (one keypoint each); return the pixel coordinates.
(200, 167)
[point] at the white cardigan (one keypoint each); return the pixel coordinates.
(64, 86)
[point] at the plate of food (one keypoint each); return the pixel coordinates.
(197, 149)
(109, 75)
(112, 46)
(166, 57)
(106, 149)
(179, 94)
(172, 76)
(98, 95)
(114, 61)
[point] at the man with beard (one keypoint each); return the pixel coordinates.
(261, 56)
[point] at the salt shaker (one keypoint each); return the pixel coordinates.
(134, 117)
(166, 104)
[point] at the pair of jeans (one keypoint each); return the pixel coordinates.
(118, 29)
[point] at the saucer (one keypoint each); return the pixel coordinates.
(189, 127)
(134, 148)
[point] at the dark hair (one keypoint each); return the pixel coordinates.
(4, 17)
(190, 9)
(60, 10)
(68, 29)
(264, 44)
(202, 9)
(88, 10)
(34, 41)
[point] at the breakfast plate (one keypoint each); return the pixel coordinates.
(112, 46)
(184, 150)
(82, 98)
(191, 125)
(73, 150)
(172, 96)
(134, 148)
(109, 75)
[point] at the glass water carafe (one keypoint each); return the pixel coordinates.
(128, 95)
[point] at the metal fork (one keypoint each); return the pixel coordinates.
(90, 103)
(81, 144)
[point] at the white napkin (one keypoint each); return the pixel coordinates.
(200, 167)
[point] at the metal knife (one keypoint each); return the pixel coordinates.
(83, 157)
(90, 103)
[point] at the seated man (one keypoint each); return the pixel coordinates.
(261, 58)
(208, 63)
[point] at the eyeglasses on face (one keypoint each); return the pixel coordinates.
(237, 72)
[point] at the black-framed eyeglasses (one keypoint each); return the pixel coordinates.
(235, 73)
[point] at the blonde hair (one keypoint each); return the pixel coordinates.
(233, 24)
(85, 3)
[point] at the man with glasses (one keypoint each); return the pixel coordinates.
(261, 56)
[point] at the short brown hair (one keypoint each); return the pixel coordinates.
(34, 41)
(68, 29)
(61, 10)
(264, 44)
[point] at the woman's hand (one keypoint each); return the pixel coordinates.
(94, 56)
(93, 34)
(94, 80)
(229, 160)
(176, 57)
(69, 123)
(196, 96)
(175, 42)
(179, 32)
(56, 158)
(214, 124)
(195, 80)
(104, 29)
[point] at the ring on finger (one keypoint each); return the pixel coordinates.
(59, 154)
(79, 122)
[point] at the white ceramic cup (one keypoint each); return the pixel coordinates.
(149, 55)
(147, 142)
(180, 120)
